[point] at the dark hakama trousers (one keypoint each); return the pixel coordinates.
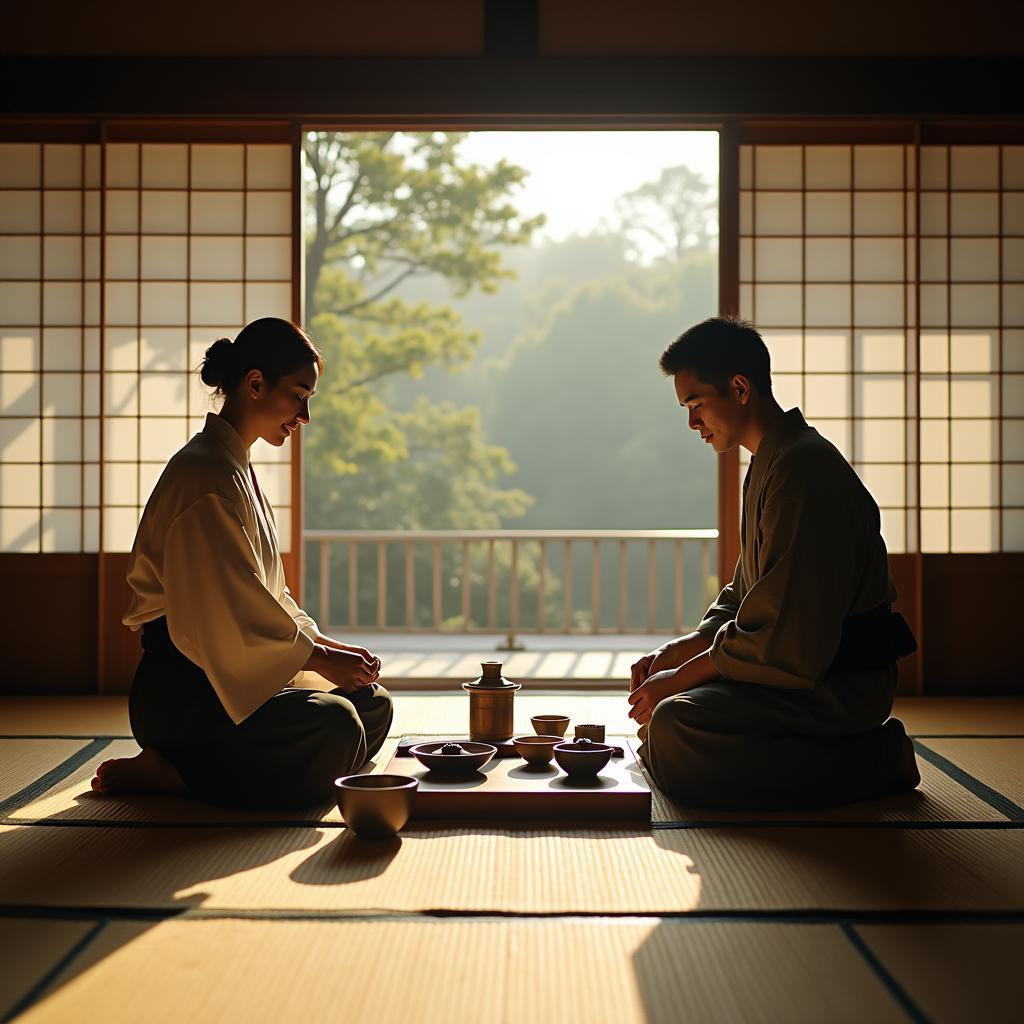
(747, 746)
(287, 753)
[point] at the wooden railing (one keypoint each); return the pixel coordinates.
(333, 571)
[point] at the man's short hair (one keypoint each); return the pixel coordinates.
(718, 349)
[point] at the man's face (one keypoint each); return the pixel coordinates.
(719, 419)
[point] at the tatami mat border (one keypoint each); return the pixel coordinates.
(833, 916)
(844, 926)
(844, 922)
(50, 779)
(55, 970)
(893, 987)
(655, 826)
(995, 799)
(119, 736)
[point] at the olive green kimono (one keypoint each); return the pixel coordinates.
(785, 727)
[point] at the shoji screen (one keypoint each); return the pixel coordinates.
(49, 347)
(825, 256)
(972, 348)
(829, 248)
(188, 242)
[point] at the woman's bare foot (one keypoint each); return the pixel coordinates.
(908, 765)
(147, 772)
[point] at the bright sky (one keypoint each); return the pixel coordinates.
(575, 177)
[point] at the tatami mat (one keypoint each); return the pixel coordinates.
(528, 871)
(961, 716)
(31, 949)
(239, 877)
(433, 971)
(64, 716)
(956, 973)
(939, 798)
(72, 799)
(23, 761)
(997, 763)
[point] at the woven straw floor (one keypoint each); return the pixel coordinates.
(165, 909)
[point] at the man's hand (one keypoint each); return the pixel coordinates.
(666, 657)
(670, 655)
(641, 669)
(667, 683)
(346, 670)
(649, 694)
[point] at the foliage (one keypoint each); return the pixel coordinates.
(385, 209)
(671, 216)
(617, 454)
(414, 258)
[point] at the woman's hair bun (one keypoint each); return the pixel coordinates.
(216, 365)
(271, 345)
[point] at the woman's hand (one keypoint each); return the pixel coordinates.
(337, 645)
(361, 651)
(346, 670)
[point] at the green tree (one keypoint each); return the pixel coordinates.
(617, 451)
(384, 209)
(671, 216)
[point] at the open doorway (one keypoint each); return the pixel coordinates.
(492, 449)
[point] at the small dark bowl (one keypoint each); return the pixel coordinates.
(536, 750)
(582, 762)
(550, 725)
(375, 806)
(475, 757)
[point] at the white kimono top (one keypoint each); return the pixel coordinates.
(206, 555)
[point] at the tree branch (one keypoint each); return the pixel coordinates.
(376, 318)
(379, 294)
(345, 206)
(366, 229)
(362, 381)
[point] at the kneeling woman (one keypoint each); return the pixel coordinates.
(211, 704)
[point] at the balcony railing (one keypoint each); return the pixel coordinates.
(509, 581)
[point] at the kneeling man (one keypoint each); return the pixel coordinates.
(781, 697)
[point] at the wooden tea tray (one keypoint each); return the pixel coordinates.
(504, 748)
(509, 790)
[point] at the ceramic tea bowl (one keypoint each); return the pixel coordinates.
(375, 806)
(550, 725)
(536, 750)
(471, 758)
(582, 761)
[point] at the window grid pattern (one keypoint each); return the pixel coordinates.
(188, 243)
(49, 347)
(829, 251)
(824, 259)
(972, 336)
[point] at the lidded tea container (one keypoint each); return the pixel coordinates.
(490, 704)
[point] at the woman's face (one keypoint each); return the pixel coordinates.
(284, 406)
